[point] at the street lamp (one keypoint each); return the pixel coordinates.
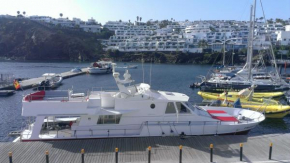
(233, 53)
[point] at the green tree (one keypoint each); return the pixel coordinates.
(140, 19)
(18, 12)
(61, 15)
(137, 18)
(24, 13)
(270, 21)
(212, 29)
(148, 23)
(202, 44)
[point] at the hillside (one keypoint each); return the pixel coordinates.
(23, 39)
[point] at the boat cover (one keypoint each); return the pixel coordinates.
(222, 115)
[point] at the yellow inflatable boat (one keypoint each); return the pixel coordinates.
(272, 108)
(255, 94)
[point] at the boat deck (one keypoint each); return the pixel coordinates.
(164, 149)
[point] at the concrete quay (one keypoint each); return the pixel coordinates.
(29, 83)
(164, 149)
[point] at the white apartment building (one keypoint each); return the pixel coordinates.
(115, 25)
(64, 22)
(91, 28)
(283, 37)
(186, 35)
(45, 19)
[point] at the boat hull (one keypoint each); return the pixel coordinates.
(214, 87)
(31, 140)
(99, 70)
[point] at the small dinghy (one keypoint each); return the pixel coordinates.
(51, 81)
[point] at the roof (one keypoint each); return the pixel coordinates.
(174, 96)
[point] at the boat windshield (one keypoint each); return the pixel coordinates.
(189, 105)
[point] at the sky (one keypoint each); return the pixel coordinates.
(105, 10)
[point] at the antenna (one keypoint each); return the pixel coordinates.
(143, 67)
(150, 71)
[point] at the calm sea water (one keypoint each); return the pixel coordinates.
(168, 77)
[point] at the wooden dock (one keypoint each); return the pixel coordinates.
(29, 83)
(164, 149)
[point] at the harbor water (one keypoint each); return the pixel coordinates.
(167, 77)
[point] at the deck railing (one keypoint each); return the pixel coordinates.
(62, 98)
(68, 133)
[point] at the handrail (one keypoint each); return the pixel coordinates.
(32, 97)
(104, 88)
(172, 124)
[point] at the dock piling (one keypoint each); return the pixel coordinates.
(211, 152)
(116, 154)
(46, 156)
(149, 154)
(241, 151)
(270, 151)
(83, 155)
(10, 157)
(180, 154)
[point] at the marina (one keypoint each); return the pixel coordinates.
(128, 106)
(29, 83)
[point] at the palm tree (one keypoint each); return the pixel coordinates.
(129, 21)
(140, 19)
(137, 18)
(60, 14)
(24, 13)
(18, 12)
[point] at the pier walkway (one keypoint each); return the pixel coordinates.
(29, 83)
(164, 149)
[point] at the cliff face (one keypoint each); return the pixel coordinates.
(29, 40)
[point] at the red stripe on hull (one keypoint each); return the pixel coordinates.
(215, 111)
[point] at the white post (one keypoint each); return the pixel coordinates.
(37, 127)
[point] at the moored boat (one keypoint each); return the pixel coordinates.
(6, 92)
(76, 70)
(135, 110)
(51, 81)
(246, 92)
(271, 108)
(132, 67)
(100, 67)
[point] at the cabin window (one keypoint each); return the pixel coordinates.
(170, 108)
(181, 108)
(109, 119)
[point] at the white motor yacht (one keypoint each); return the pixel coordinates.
(100, 67)
(51, 81)
(135, 110)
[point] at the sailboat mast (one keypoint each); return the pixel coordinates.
(250, 45)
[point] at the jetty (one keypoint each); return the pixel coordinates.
(162, 149)
(29, 83)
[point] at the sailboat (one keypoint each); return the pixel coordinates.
(247, 76)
